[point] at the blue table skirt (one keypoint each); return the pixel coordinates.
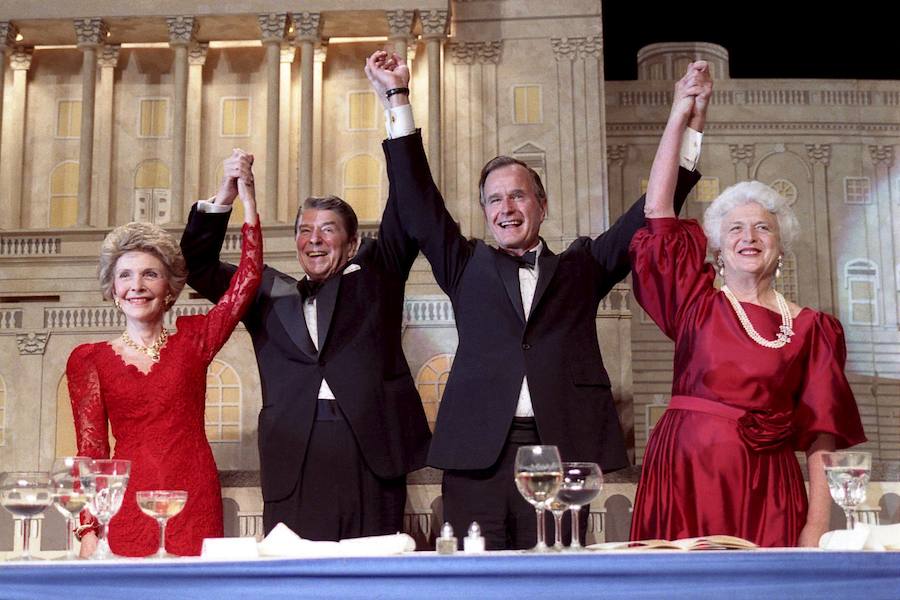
(766, 575)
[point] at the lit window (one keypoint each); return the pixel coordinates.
(431, 381)
(154, 117)
(362, 187)
(64, 194)
(68, 119)
(527, 104)
(857, 190)
(235, 117)
(151, 192)
(861, 281)
(362, 111)
(223, 403)
(786, 189)
(706, 190)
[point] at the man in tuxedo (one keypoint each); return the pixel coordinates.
(341, 422)
(528, 368)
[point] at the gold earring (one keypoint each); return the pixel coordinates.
(721, 265)
(780, 265)
(169, 300)
(116, 302)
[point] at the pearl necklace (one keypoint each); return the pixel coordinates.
(152, 350)
(785, 331)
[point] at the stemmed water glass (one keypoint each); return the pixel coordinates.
(848, 475)
(72, 491)
(109, 478)
(538, 475)
(25, 494)
(162, 505)
(581, 483)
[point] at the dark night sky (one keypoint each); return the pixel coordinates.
(784, 39)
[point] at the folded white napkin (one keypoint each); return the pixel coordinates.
(864, 537)
(283, 542)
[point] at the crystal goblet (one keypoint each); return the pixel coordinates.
(538, 475)
(847, 474)
(71, 492)
(25, 494)
(109, 478)
(161, 505)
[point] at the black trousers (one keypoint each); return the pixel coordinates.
(338, 496)
(490, 497)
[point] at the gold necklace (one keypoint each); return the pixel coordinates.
(152, 350)
(785, 331)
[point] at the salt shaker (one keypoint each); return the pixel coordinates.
(446, 544)
(473, 543)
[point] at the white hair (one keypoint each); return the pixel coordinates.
(743, 193)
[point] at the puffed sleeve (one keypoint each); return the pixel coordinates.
(826, 403)
(668, 258)
(224, 316)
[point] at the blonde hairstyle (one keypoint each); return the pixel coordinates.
(142, 237)
(743, 193)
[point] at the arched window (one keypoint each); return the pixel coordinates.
(151, 192)
(362, 186)
(431, 381)
(527, 107)
(223, 403)
(64, 194)
(861, 282)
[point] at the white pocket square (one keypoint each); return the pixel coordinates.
(352, 269)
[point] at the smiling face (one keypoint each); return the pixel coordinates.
(323, 244)
(512, 209)
(141, 284)
(750, 240)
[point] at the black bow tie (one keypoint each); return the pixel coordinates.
(527, 260)
(309, 288)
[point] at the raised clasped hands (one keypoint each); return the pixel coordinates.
(238, 181)
(692, 93)
(387, 71)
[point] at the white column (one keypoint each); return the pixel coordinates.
(883, 159)
(321, 53)
(434, 30)
(194, 126)
(90, 33)
(306, 29)
(8, 34)
(820, 157)
(181, 34)
(14, 141)
(273, 29)
(101, 207)
(284, 134)
(400, 23)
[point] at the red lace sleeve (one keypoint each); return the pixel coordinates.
(826, 403)
(668, 258)
(224, 316)
(88, 411)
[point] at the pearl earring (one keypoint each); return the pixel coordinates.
(721, 265)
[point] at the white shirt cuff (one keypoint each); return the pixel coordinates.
(205, 206)
(690, 149)
(399, 121)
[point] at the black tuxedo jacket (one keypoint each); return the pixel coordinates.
(556, 347)
(359, 323)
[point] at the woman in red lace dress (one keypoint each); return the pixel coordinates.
(756, 377)
(149, 385)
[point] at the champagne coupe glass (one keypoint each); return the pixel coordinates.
(25, 494)
(162, 505)
(538, 475)
(109, 478)
(581, 483)
(848, 475)
(71, 493)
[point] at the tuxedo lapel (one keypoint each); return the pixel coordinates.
(547, 263)
(289, 308)
(325, 303)
(509, 274)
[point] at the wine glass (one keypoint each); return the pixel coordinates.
(848, 475)
(581, 483)
(71, 493)
(558, 508)
(162, 505)
(538, 475)
(109, 478)
(25, 494)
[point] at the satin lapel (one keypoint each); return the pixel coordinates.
(289, 308)
(509, 274)
(547, 264)
(325, 302)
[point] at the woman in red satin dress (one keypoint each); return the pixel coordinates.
(756, 377)
(149, 386)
